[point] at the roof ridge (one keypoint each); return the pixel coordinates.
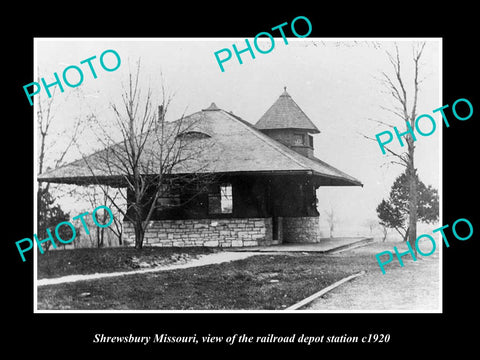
(264, 138)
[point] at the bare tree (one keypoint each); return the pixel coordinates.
(45, 116)
(406, 110)
(331, 220)
(104, 195)
(372, 224)
(49, 213)
(384, 232)
(145, 158)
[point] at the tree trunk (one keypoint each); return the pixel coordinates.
(102, 230)
(384, 229)
(139, 234)
(102, 237)
(412, 215)
(405, 237)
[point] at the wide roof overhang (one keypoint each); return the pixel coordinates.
(120, 181)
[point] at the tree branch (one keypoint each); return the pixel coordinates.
(400, 156)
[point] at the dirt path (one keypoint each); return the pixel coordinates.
(412, 288)
(203, 260)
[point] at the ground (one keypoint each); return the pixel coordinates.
(414, 287)
(259, 282)
(91, 260)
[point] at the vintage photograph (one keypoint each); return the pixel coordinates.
(169, 179)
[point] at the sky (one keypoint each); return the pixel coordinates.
(336, 82)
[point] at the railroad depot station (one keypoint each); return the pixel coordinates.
(262, 181)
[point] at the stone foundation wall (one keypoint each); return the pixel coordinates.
(301, 229)
(205, 232)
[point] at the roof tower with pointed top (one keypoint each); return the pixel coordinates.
(286, 114)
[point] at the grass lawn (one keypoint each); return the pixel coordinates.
(90, 260)
(260, 282)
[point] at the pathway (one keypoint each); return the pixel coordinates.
(215, 258)
(325, 245)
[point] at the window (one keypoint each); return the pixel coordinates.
(193, 135)
(220, 200)
(310, 140)
(299, 139)
(226, 202)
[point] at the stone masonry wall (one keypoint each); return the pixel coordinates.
(301, 229)
(205, 232)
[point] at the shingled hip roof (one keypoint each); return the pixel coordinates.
(233, 146)
(286, 114)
